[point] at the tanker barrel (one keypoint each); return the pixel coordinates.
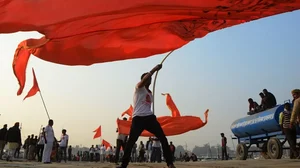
(260, 123)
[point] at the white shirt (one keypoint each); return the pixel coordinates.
(49, 134)
(92, 150)
(97, 150)
(63, 140)
(108, 151)
(156, 144)
(142, 100)
(102, 150)
(42, 139)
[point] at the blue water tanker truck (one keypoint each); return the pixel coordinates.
(263, 130)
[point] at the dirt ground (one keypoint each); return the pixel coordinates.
(209, 164)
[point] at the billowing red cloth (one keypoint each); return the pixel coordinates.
(170, 125)
(81, 32)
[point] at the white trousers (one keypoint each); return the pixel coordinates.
(47, 152)
(149, 152)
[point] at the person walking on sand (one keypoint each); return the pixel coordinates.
(144, 119)
(13, 140)
(63, 145)
(49, 141)
(224, 147)
(3, 133)
(40, 145)
(121, 142)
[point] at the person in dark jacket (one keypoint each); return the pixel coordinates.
(3, 133)
(270, 98)
(13, 139)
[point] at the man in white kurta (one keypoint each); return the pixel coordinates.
(49, 140)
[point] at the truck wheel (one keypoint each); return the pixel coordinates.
(241, 151)
(264, 151)
(274, 148)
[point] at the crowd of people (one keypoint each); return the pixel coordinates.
(43, 148)
(268, 101)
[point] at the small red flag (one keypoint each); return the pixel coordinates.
(34, 89)
(98, 132)
(128, 111)
(105, 143)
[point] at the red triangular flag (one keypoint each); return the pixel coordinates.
(128, 111)
(98, 132)
(35, 88)
(105, 143)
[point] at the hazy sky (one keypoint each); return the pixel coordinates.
(220, 72)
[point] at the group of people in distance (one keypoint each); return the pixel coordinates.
(268, 101)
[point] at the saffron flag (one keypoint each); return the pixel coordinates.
(97, 132)
(77, 32)
(105, 143)
(171, 105)
(129, 112)
(172, 125)
(35, 88)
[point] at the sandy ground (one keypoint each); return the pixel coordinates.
(210, 164)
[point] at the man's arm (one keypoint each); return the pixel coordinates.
(143, 82)
(296, 111)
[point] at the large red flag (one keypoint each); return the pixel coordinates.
(35, 88)
(78, 32)
(170, 125)
(97, 132)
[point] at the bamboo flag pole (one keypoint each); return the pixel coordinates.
(154, 83)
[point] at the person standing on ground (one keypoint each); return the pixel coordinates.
(173, 149)
(224, 146)
(31, 148)
(121, 142)
(3, 133)
(102, 153)
(290, 132)
(70, 153)
(40, 145)
(63, 145)
(13, 139)
(26, 147)
(295, 116)
(133, 153)
(144, 119)
(149, 149)
(49, 141)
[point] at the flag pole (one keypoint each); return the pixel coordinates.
(44, 104)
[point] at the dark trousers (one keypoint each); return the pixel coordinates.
(17, 152)
(224, 153)
(91, 157)
(62, 154)
(149, 123)
(291, 136)
(173, 155)
(39, 151)
(120, 144)
(156, 154)
(97, 155)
